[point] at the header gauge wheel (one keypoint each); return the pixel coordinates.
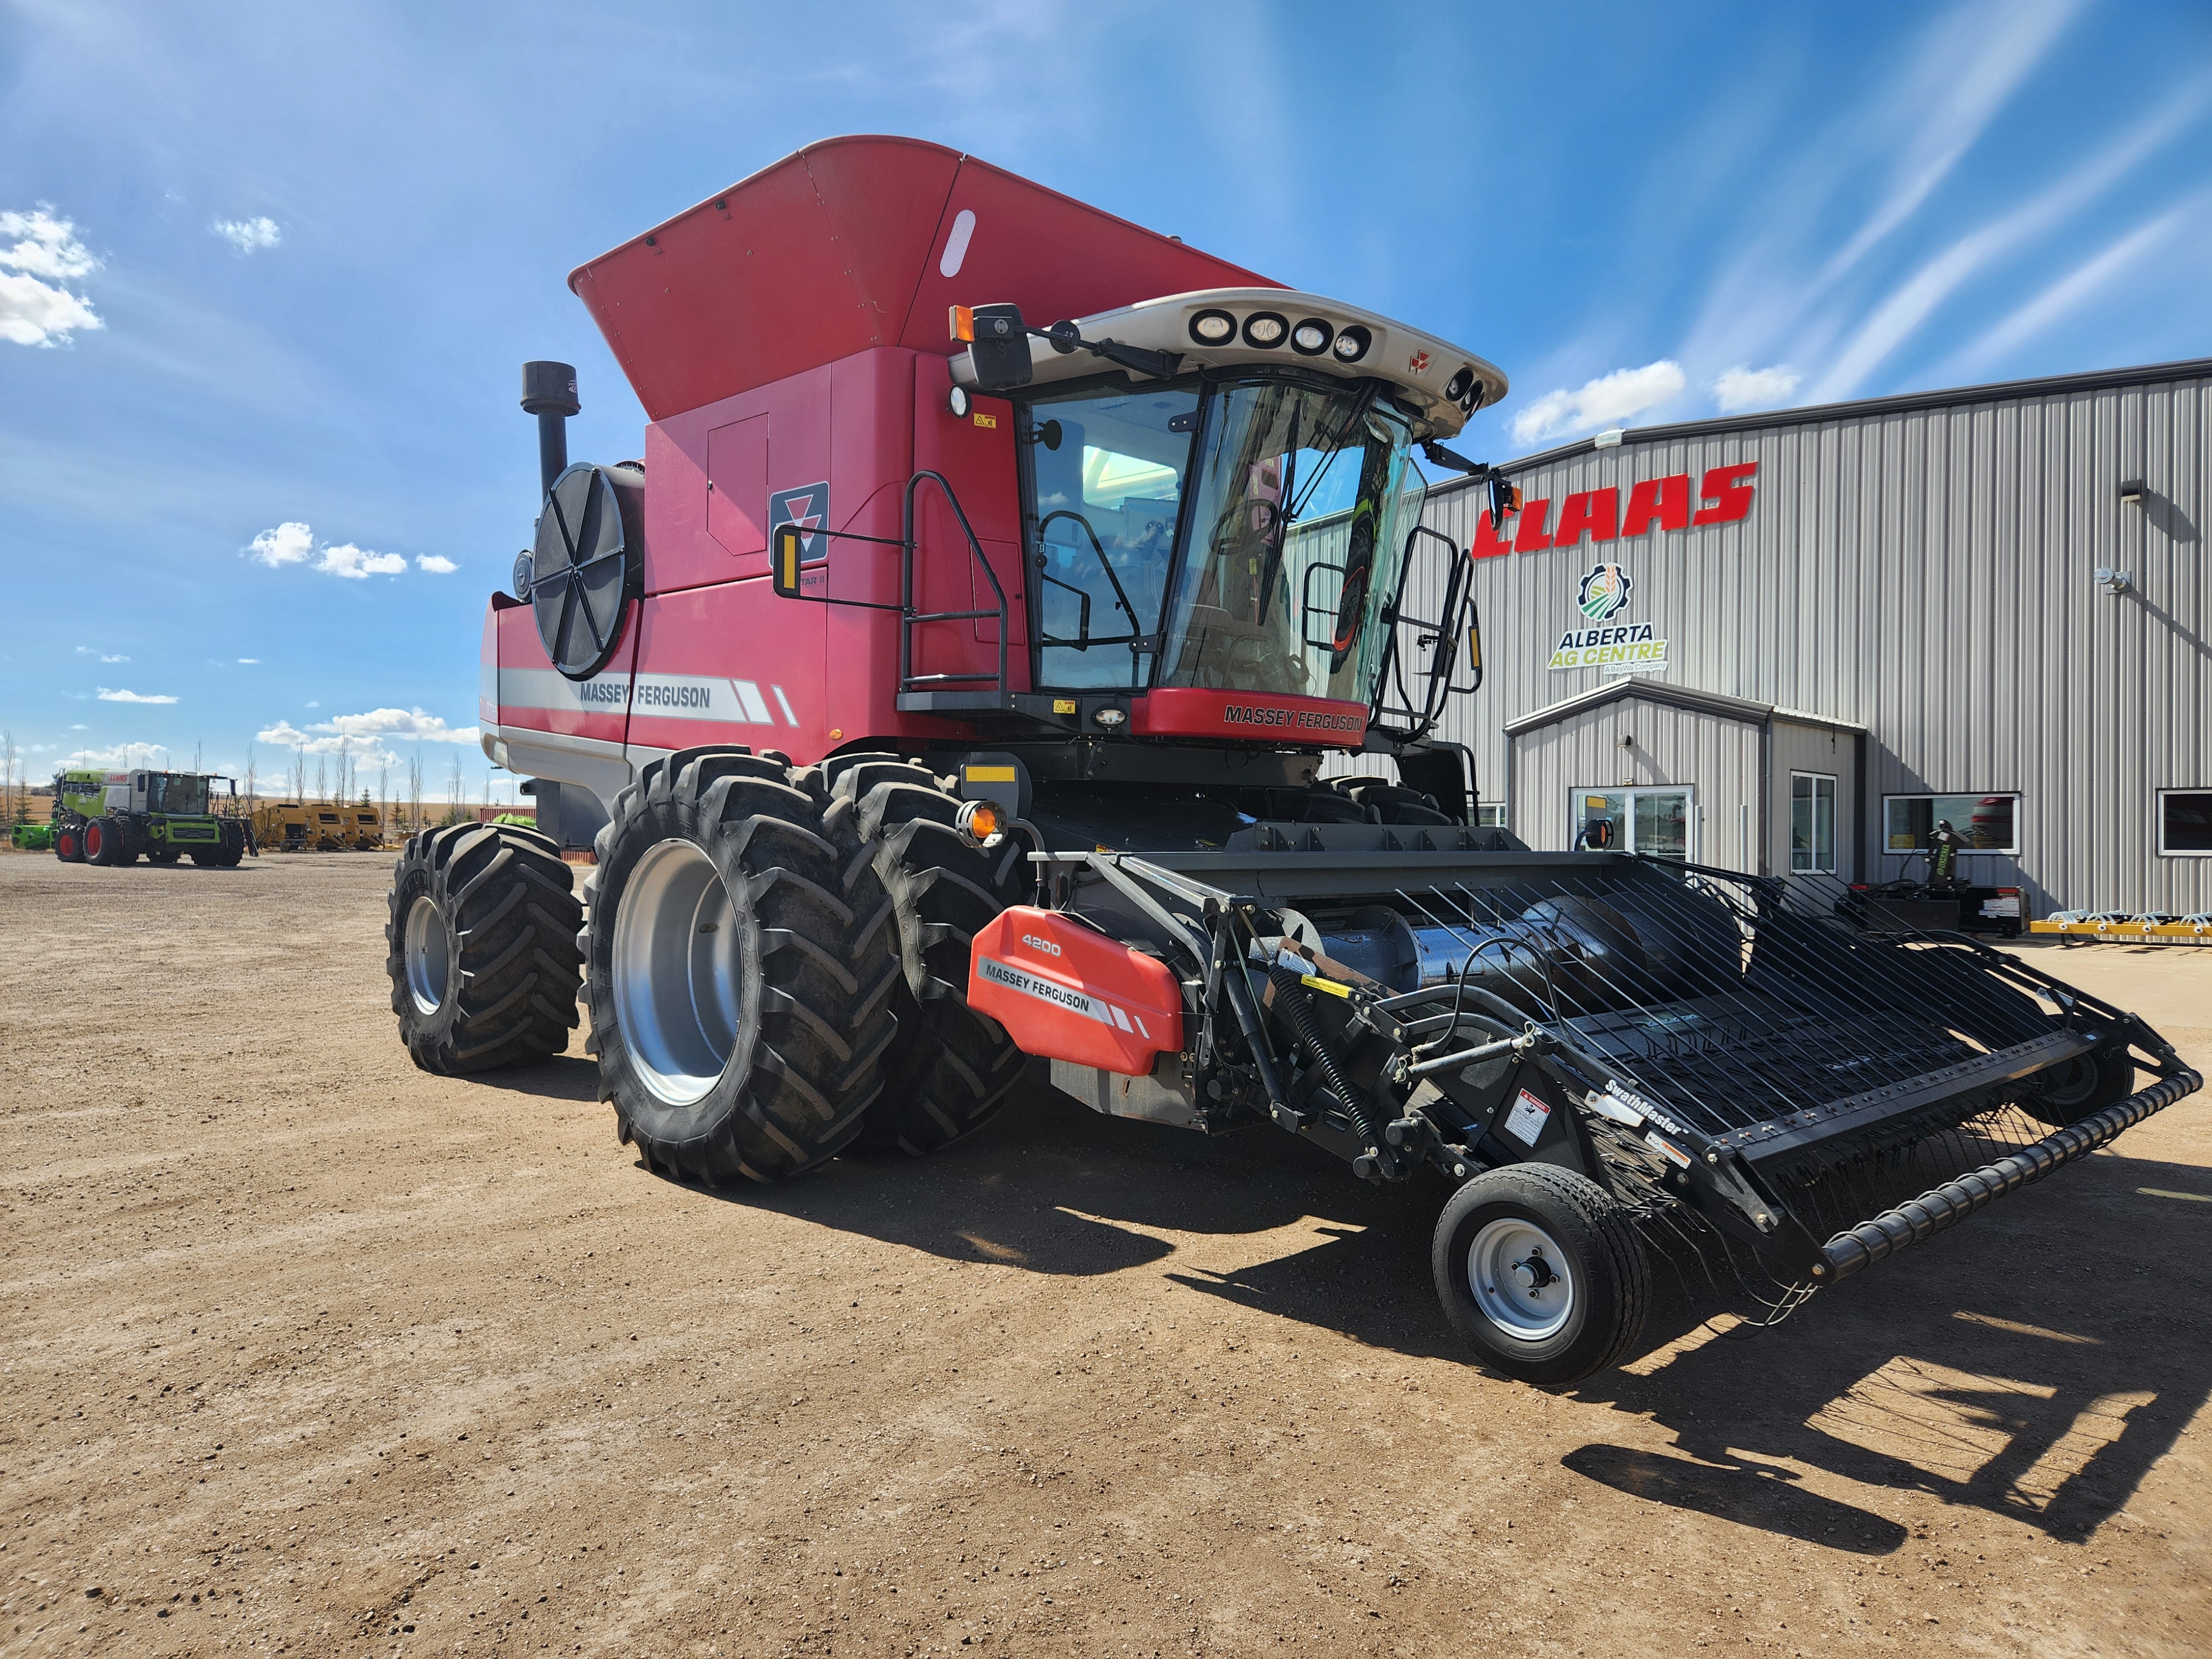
(1543, 1272)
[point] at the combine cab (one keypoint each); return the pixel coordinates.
(955, 671)
(115, 817)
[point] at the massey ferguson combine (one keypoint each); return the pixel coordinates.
(955, 671)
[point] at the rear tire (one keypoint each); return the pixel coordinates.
(481, 948)
(103, 842)
(950, 1068)
(1543, 1272)
(740, 969)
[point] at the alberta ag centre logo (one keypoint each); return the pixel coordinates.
(1628, 647)
(1604, 591)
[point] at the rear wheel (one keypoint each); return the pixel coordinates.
(951, 1067)
(103, 842)
(481, 947)
(740, 969)
(1541, 1271)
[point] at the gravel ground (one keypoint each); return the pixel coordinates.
(306, 1352)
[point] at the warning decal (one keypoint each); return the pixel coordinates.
(1526, 1121)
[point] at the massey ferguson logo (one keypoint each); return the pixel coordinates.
(1418, 363)
(1043, 945)
(807, 507)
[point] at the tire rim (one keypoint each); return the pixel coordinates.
(1521, 1279)
(676, 972)
(429, 962)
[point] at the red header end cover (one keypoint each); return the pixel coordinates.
(1067, 993)
(1284, 722)
(860, 242)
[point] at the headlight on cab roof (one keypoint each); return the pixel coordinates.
(1311, 337)
(1266, 329)
(1213, 328)
(1351, 344)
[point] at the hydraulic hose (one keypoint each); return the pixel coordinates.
(1297, 1007)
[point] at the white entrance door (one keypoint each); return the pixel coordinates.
(1655, 821)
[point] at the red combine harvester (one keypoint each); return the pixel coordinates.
(957, 692)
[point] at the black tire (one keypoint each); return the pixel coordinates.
(103, 842)
(1600, 1261)
(69, 844)
(486, 975)
(772, 1072)
(231, 849)
(2085, 1084)
(951, 1067)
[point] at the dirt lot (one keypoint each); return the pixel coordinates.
(306, 1351)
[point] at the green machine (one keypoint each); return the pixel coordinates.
(111, 817)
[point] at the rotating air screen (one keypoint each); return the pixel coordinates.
(583, 569)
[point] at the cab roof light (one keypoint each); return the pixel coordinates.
(1351, 344)
(1311, 337)
(1266, 329)
(1213, 328)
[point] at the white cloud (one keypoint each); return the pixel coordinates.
(293, 543)
(358, 562)
(1738, 389)
(365, 736)
(247, 234)
(79, 727)
(249, 661)
(288, 543)
(1601, 402)
(436, 564)
(1915, 300)
(119, 755)
(2066, 294)
(106, 695)
(36, 311)
(87, 650)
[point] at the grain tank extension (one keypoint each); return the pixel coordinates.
(955, 669)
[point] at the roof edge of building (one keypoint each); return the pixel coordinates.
(2190, 368)
(1680, 696)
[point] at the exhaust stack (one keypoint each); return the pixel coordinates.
(549, 391)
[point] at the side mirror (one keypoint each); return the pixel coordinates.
(787, 549)
(1505, 498)
(998, 344)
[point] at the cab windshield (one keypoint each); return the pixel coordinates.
(167, 792)
(1239, 535)
(1298, 514)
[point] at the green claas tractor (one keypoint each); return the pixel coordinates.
(111, 817)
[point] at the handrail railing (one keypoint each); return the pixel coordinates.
(909, 617)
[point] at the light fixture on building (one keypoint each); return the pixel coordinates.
(1608, 439)
(2111, 580)
(2131, 493)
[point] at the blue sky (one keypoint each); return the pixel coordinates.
(267, 271)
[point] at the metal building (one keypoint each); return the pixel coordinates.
(1797, 641)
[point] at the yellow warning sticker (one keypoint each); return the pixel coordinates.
(989, 423)
(1063, 705)
(990, 775)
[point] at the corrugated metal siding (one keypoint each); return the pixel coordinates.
(1718, 757)
(1928, 574)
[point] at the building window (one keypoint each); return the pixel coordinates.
(1990, 824)
(1654, 821)
(1812, 823)
(1491, 814)
(2185, 824)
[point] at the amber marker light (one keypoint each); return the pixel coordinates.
(963, 321)
(979, 821)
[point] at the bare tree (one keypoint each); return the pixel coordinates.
(250, 764)
(415, 792)
(8, 775)
(299, 773)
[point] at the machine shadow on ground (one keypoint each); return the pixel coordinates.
(2017, 1366)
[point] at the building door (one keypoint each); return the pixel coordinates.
(1654, 821)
